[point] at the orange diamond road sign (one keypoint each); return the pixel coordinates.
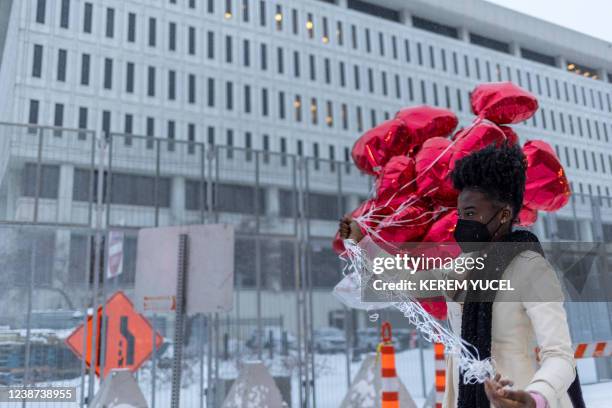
(129, 336)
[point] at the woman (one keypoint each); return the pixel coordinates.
(491, 183)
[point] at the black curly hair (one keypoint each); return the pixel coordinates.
(496, 171)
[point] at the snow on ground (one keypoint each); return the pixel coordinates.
(330, 384)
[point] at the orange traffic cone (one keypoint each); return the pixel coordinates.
(389, 381)
(440, 367)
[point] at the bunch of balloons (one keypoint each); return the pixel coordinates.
(412, 156)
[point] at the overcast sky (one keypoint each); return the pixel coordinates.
(593, 17)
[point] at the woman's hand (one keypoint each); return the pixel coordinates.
(349, 229)
(505, 398)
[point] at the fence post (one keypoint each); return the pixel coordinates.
(183, 261)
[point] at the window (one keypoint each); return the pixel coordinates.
(265, 111)
(314, 117)
(247, 99)
(356, 76)
(266, 148)
(281, 105)
(151, 81)
(398, 87)
(82, 122)
(354, 36)
(329, 117)
(374, 9)
(325, 25)
(129, 77)
(131, 35)
(210, 7)
(278, 17)
(108, 73)
(37, 61)
(280, 59)
(538, 57)
(211, 92)
(419, 53)
(410, 89)
(85, 63)
(172, 36)
(490, 43)
(106, 121)
(33, 114)
(61, 65)
(262, 13)
(152, 32)
(367, 40)
(246, 53)
(245, 11)
(150, 131)
(394, 46)
(423, 92)
(211, 135)
(87, 17)
(128, 128)
(327, 67)
(297, 104)
(264, 57)
(296, 64)
(171, 85)
(58, 119)
(191, 138)
(359, 119)
(339, 33)
(110, 22)
(313, 67)
(248, 144)
(228, 49)
(370, 80)
(294, 21)
(229, 95)
(41, 5)
(49, 181)
(191, 88)
(342, 74)
(384, 83)
(432, 60)
(171, 135)
(210, 39)
(434, 27)
(310, 26)
(65, 14)
(192, 4)
(192, 41)
(229, 141)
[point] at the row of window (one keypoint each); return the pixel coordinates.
(426, 55)
(227, 94)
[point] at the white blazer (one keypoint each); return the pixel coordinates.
(517, 329)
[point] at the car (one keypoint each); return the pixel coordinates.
(275, 338)
(329, 340)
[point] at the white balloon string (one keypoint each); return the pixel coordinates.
(474, 369)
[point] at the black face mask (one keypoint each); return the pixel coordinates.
(473, 235)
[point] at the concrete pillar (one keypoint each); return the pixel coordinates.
(272, 201)
(406, 17)
(342, 3)
(177, 201)
(64, 197)
(464, 34)
(515, 49)
(61, 256)
(352, 202)
(603, 74)
(562, 62)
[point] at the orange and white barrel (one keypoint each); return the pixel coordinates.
(388, 374)
(440, 367)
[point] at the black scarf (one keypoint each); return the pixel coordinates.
(477, 317)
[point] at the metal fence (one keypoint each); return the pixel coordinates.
(62, 191)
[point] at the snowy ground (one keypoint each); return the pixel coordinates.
(330, 384)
